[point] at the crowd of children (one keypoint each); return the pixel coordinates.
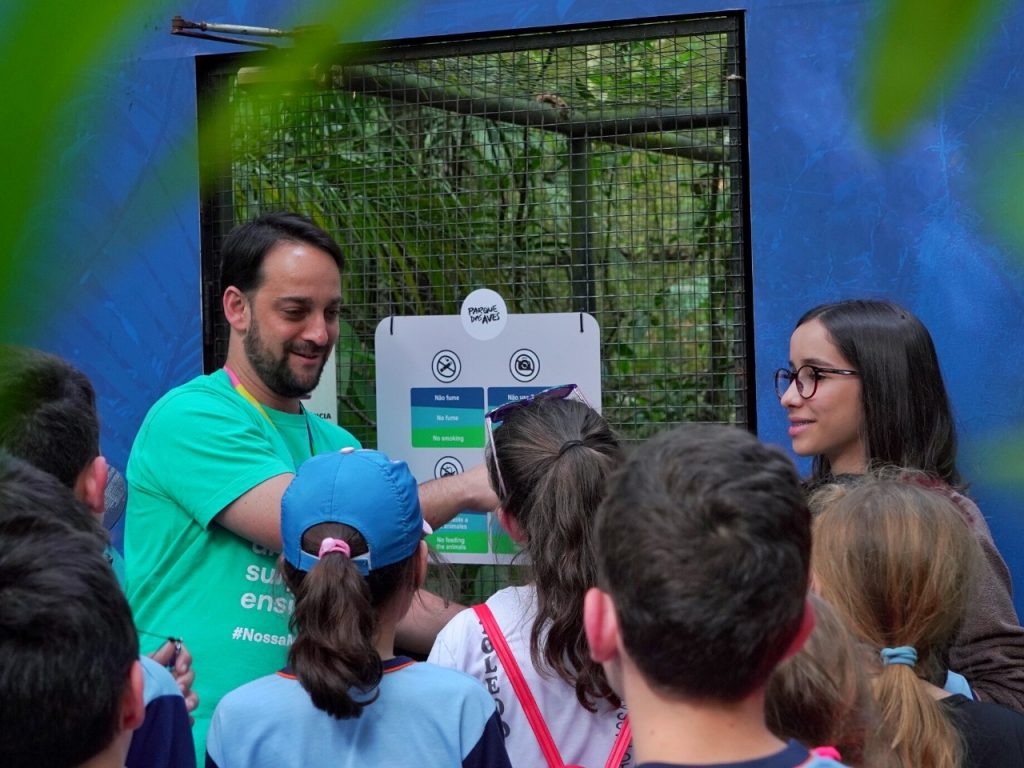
(677, 613)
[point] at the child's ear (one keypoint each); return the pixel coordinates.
(133, 703)
(804, 632)
(91, 485)
(601, 624)
(511, 525)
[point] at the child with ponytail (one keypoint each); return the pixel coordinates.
(548, 460)
(899, 564)
(353, 558)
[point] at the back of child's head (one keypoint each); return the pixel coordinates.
(555, 457)
(67, 642)
(47, 412)
(703, 542)
(351, 526)
(821, 696)
(899, 563)
(29, 496)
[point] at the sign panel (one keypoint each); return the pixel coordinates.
(438, 376)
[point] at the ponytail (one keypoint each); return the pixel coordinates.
(914, 725)
(555, 456)
(899, 563)
(334, 622)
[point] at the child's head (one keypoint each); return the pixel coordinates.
(353, 557)
(703, 543)
(48, 418)
(70, 684)
(821, 696)
(897, 397)
(555, 456)
(27, 494)
(898, 562)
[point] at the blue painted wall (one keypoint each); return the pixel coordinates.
(118, 240)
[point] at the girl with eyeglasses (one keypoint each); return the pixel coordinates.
(548, 460)
(864, 390)
(898, 563)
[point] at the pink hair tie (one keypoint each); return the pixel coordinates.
(335, 545)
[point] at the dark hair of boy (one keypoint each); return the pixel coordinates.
(246, 246)
(47, 413)
(28, 498)
(66, 632)
(703, 542)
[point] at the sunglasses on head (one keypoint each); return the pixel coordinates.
(502, 412)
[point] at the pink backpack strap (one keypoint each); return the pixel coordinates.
(529, 704)
(519, 685)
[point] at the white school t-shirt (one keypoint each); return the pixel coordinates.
(582, 737)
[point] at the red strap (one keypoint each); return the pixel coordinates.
(529, 704)
(621, 745)
(519, 685)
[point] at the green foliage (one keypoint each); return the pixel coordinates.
(914, 49)
(429, 204)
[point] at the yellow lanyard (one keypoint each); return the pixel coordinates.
(247, 395)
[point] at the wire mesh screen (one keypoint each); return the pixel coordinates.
(597, 170)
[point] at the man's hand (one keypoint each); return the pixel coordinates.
(176, 657)
(444, 498)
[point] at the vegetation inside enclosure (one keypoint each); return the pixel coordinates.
(600, 176)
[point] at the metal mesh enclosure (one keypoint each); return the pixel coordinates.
(597, 170)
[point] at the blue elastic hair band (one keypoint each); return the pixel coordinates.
(903, 654)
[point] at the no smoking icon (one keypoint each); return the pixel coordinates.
(446, 366)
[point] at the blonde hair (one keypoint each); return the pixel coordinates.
(821, 696)
(898, 562)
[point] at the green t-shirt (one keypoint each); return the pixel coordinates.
(200, 447)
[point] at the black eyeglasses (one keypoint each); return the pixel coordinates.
(806, 378)
(502, 412)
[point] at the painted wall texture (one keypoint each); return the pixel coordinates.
(117, 241)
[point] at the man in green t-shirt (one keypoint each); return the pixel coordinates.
(214, 456)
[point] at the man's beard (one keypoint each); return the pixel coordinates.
(275, 371)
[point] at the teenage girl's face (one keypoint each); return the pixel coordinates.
(828, 423)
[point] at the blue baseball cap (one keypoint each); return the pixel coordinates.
(360, 488)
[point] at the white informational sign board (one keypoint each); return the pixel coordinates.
(438, 376)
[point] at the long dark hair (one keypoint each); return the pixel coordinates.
(908, 421)
(555, 456)
(335, 619)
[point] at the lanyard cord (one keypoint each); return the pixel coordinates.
(247, 395)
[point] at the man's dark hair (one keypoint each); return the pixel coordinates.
(67, 642)
(704, 543)
(246, 246)
(47, 413)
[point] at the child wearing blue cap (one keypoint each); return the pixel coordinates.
(353, 558)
